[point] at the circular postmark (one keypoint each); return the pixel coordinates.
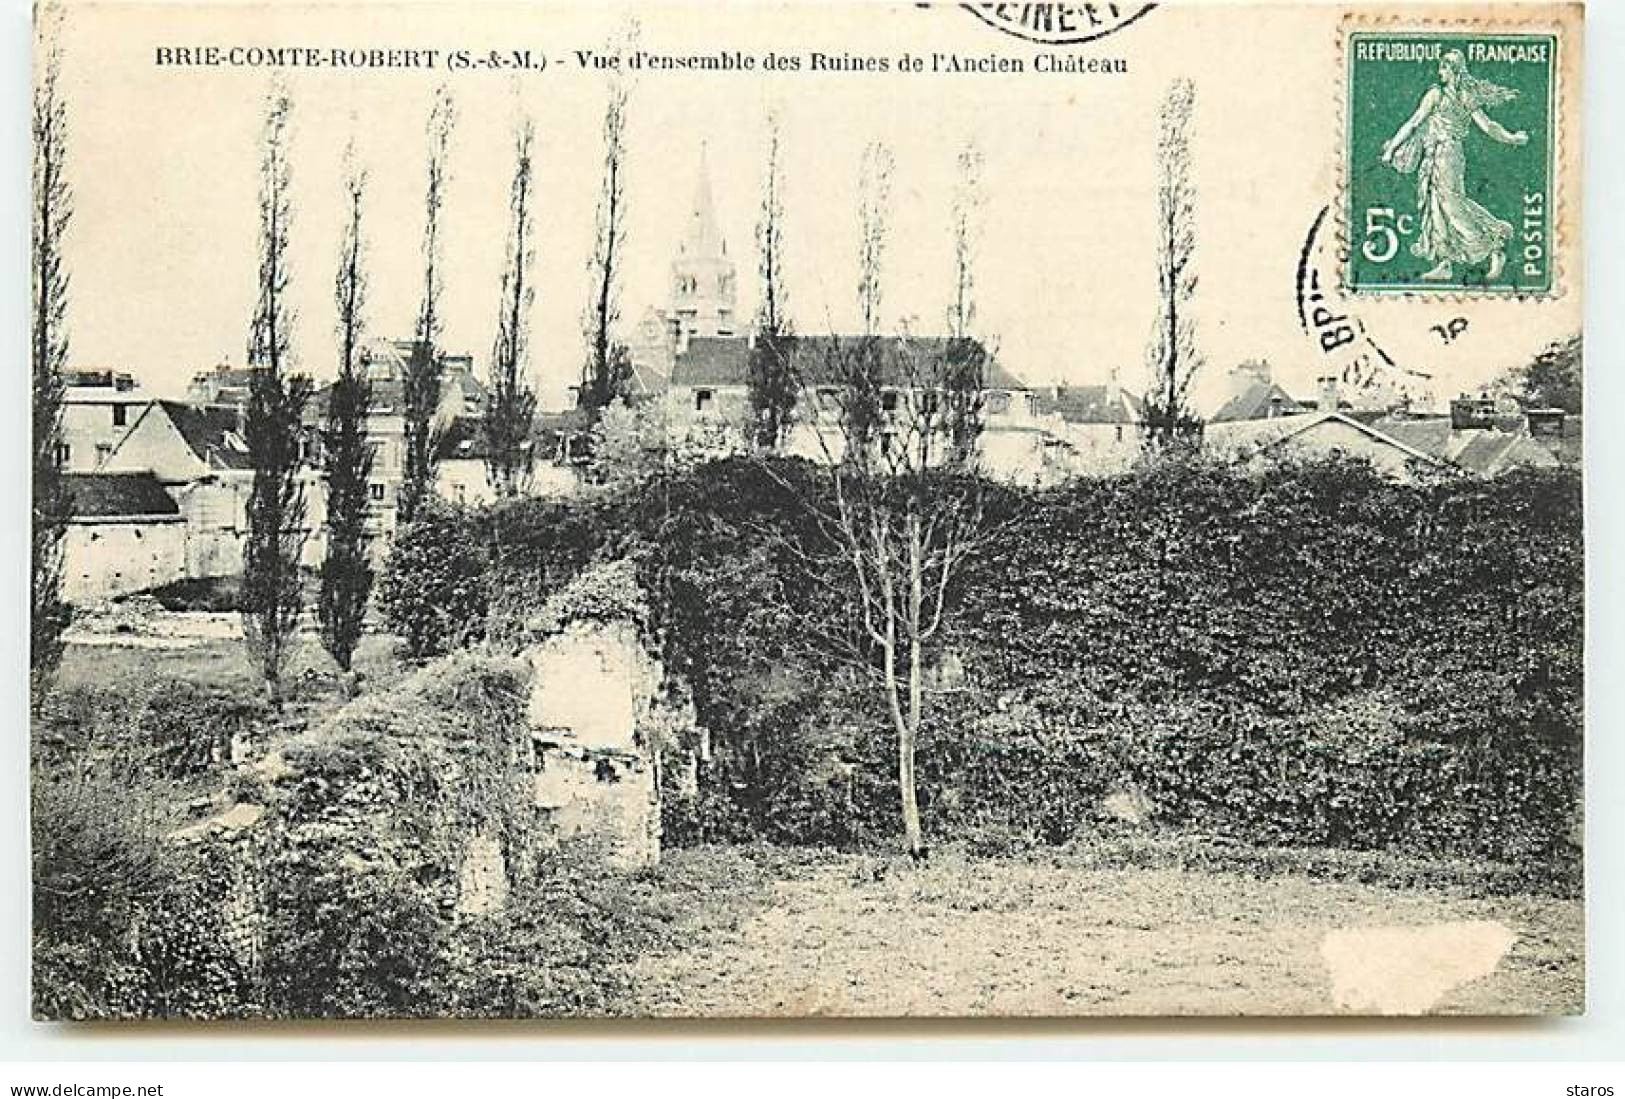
(1349, 352)
(1059, 23)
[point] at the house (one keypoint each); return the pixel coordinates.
(1096, 429)
(1315, 434)
(125, 534)
(223, 385)
(201, 459)
(98, 407)
(1473, 443)
(1254, 395)
(710, 387)
(1560, 432)
(463, 400)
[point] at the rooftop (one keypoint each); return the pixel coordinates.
(118, 495)
(725, 361)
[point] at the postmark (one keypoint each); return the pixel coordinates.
(1449, 162)
(1059, 23)
(1334, 325)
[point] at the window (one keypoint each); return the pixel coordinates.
(64, 454)
(702, 400)
(375, 492)
(120, 414)
(888, 400)
(998, 404)
(104, 451)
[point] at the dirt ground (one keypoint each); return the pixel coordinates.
(864, 936)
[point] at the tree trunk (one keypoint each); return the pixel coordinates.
(908, 729)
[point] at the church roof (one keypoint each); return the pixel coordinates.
(725, 361)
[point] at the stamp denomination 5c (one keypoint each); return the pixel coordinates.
(1449, 161)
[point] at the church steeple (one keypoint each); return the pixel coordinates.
(703, 239)
(702, 276)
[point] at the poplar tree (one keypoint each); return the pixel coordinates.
(513, 404)
(272, 595)
(346, 573)
(421, 391)
(773, 385)
(52, 208)
(607, 372)
(1172, 355)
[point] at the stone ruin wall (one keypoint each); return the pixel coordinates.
(592, 709)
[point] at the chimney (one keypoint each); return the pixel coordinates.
(1469, 412)
(1328, 393)
(1546, 423)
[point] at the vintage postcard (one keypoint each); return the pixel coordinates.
(788, 509)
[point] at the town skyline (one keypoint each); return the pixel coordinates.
(1065, 275)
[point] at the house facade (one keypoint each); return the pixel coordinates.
(709, 389)
(98, 407)
(463, 405)
(201, 459)
(126, 535)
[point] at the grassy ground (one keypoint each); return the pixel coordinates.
(1119, 930)
(1058, 935)
(223, 663)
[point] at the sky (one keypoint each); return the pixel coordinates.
(164, 158)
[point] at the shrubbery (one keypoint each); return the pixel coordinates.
(172, 728)
(434, 591)
(126, 925)
(1312, 654)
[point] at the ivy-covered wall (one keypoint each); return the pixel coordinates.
(1307, 654)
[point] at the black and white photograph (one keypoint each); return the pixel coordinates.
(742, 511)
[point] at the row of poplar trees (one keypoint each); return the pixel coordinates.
(274, 419)
(274, 433)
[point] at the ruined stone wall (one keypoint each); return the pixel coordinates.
(592, 706)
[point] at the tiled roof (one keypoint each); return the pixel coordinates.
(1258, 401)
(1249, 437)
(1486, 451)
(725, 360)
(114, 495)
(1092, 404)
(1431, 435)
(213, 432)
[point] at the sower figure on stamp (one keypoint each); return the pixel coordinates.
(1432, 143)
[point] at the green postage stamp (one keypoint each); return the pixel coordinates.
(1450, 153)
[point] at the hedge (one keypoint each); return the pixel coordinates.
(1309, 654)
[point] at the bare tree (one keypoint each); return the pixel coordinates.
(772, 383)
(272, 425)
(965, 357)
(513, 404)
(52, 207)
(606, 374)
(421, 394)
(903, 508)
(874, 224)
(1173, 356)
(346, 574)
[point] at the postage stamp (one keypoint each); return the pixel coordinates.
(1449, 154)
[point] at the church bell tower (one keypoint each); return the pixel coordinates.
(703, 289)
